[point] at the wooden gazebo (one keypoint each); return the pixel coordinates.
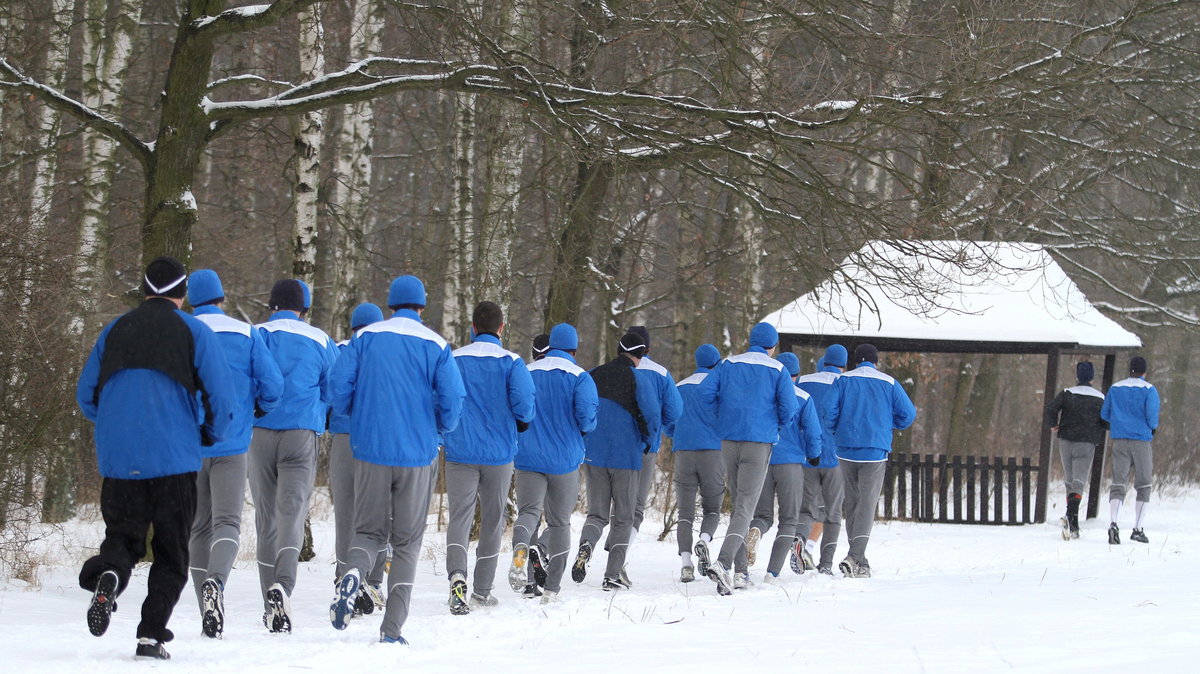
(960, 297)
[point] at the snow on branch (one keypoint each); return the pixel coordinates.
(246, 18)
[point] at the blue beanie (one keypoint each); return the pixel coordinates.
(563, 337)
(406, 289)
(364, 315)
(707, 356)
(307, 294)
(764, 335)
(1085, 372)
(790, 361)
(204, 287)
(835, 355)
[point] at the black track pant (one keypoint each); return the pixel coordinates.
(129, 508)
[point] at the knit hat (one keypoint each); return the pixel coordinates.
(641, 331)
(835, 355)
(707, 356)
(563, 337)
(632, 344)
(287, 294)
(204, 287)
(165, 277)
(364, 315)
(764, 335)
(1137, 366)
(541, 344)
(790, 361)
(307, 294)
(406, 289)
(866, 353)
(1085, 372)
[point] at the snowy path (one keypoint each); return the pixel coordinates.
(945, 598)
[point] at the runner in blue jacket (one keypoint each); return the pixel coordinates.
(698, 467)
(823, 489)
(221, 484)
(548, 458)
(158, 389)
(480, 453)
(752, 398)
(400, 385)
(283, 451)
(1131, 410)
(867, 406)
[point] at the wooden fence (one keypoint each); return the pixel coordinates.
(959, 489)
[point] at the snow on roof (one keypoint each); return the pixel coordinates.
(973, 291)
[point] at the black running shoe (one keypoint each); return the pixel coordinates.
(579, 568)
(1139, 536)
(612, 585)
(279, 609)
(212, 619)
(536, 556)
(151, 648)
(104, 602)
(702, 557)
(1114, 534)
(363, 604)
(531, 591)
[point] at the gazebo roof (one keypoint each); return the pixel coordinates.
(958, 296)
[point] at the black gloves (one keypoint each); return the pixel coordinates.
(258, 411)
(522, 426)
(206, 437)
(814, 461)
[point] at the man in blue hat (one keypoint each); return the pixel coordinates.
(752, 398)
(221, 484)
(698, 468)
(341, 484)
(1075, 415)
(398, 381)
(1131, 410)
(283, 451)
(548, 459)
(823, 489)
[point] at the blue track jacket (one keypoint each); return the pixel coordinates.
(499, 394)
(1131, 409)
(305, 356)
(340, 423)
(669, 402)
(148, 425)
(696, 429)
(566, 403)
(751, 396)
(253, 376)
(617, 441)
(867, 406)
(801, 439)
(398, 381)
(819, 385)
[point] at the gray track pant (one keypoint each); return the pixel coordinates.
(466, 484)
(783, 482)
(341, 488)
(645, 482)
(703, 471)
(1077, 464)
(611, 497)
(391, 502)
(745, 468)
(555, 495)
(823, 497)
(217, 528)
(282, 466)
(1138, 455)
(863, 482)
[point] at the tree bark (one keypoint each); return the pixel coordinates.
(307, 157)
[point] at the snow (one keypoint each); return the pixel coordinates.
(996, 291)
(945, 598)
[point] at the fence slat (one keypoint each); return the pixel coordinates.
(984, 475)
(997, 490)
(1027, 514)
(1012, 490)
(971, 490)
(943, 487)
(902, 489)
(889, 476)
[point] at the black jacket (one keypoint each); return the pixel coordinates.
(1076, 413)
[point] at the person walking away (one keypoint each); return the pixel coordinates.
(823, 490)
(1075, 415)
(221, 484)
(1131, 410)
(157, 388)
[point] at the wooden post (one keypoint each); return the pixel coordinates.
(1093, 504)
(1043, 483)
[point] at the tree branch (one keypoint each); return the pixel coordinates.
(248, 18)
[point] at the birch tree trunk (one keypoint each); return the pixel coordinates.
(307, 138)
(353, 220)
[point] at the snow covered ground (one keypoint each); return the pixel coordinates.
(945, 598)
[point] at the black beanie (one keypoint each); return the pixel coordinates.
(165, 277)
(1137, 366)
(1085, 372)
(541, 344)
(633, 344)
(287, 294)
(641, 331)
(866, 353)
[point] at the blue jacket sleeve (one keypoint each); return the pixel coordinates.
(587, 400)
(903, 411)
(89, 378)
(709, 394)
(1152, 406)
(521, 392)
(835, 404)
(672, 407)
(649, 400)
(329, 357)
(810, 427)
(448, 391)
(344, 379)
(785, 398)
(268, 381)
(219, 398)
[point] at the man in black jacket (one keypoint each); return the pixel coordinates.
(1075, 415)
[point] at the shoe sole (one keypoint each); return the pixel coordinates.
(687, 577)
(723, 588)
(342, 610)
(579, 568)
(752, 538)
(213, 621)
(281, 622)
(103, 604)
(539, 570)
(702, 559)
(1066, 529)
(516, 572)
(458, 598)
(846, 569)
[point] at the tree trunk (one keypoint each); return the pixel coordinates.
(571, 274)
(307, 157)
(455, 313)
